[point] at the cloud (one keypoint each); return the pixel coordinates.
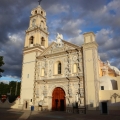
(12, 52)
(78, 40)
(58, 8)
(71, 27)
(4, 81)
(70, 18)
(108, 46)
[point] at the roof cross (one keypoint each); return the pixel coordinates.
(39, 1)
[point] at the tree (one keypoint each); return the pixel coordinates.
(1, 63)
(13, 88)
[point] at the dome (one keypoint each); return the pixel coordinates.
(108, 83)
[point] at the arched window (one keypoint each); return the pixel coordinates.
(31, 40)
(42, 41)
(42, 72)
(59, 68)
(35, 11)
(41, 12)
(75, 68)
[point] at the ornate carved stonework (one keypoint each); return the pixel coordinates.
(74, 58)
(45, 91)
(50, 73)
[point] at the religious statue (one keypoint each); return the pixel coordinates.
(41, 102)
(76, 97)
(59, 37)
(42, 97)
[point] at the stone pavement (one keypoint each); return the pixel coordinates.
(15, 114)
(10, 114)
(66, 116)
(25, 115)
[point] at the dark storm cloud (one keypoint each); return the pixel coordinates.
(76, 16)
(88, 5)
(14, 18)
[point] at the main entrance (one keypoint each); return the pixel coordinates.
(58, 99)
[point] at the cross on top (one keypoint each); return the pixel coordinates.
(39, 1)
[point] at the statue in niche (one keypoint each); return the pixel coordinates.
(33, 22)
(69, 103)
(42, 97)
(41, 102)
(76, 97)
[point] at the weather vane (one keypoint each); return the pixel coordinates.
(39, 1)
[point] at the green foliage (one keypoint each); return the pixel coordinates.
(1, 63)
(13, 87)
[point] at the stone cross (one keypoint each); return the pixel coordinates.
(39, 1)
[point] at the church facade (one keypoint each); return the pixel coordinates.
(62, 75)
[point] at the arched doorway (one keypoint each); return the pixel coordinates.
(58, 99)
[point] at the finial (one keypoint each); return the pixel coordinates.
(39, 1)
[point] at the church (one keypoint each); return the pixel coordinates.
(63, 76)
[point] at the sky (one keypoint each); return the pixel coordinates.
(72, 18)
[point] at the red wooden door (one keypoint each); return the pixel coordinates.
(58, 99)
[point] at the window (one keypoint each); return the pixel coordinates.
(42, 12)
(42, 41)
(75, 68)
(36, 12)
(43, 72)
(102, 87)
(31, 40)
(59, 68)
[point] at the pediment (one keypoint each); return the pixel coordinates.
(56, 48)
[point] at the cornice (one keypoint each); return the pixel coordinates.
(59, 53)
(63, 79)
(36, 28)
(71, 44)
(88, 45)
(37, 16)
(76, 48)
(33, 48)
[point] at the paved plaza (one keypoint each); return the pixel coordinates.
(67, 116)
(14, 114)
(10, 114)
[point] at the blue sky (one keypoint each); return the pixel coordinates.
(71, 18)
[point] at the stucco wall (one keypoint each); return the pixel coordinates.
(109, 97)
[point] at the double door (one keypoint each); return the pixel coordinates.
(58, 99)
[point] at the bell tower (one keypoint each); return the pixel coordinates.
(91, 73)
(37, 34)
(36, 40)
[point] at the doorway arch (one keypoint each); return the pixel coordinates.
(58, 99)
